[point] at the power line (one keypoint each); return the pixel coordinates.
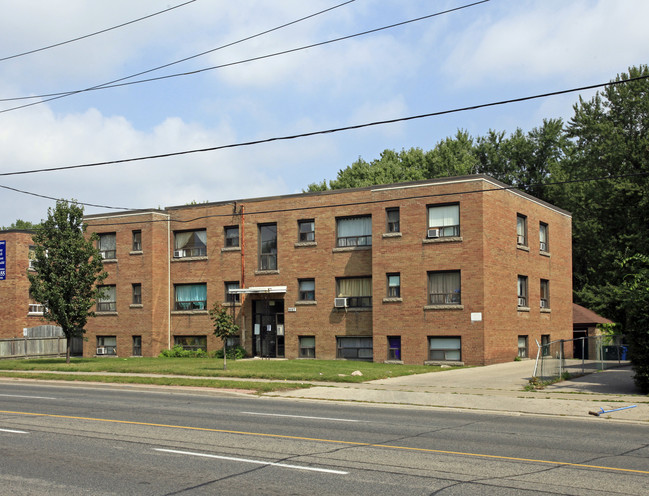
(94, 34)
(56, 96)
(326, 131)
(57, 199)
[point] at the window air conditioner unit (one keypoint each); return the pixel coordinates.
(521, 302)
(520, 239)
(432, 233)
(179, 253)
(101, 351)
(340, 302)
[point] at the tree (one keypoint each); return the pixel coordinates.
(68, 268)
(21, 224)
(224, 327)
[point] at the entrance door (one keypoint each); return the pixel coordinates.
(268, 331)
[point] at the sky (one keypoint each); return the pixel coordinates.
(492, 51)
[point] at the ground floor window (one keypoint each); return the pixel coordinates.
(191, 343)
(522, 347)
(394, 347)
(307, 346)
(106, 345)
(137, 345)
(446, 348)
(357, 348)
(545, 344)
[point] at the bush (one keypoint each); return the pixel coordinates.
(235, 353)
(179, 352)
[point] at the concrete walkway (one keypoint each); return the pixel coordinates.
(498, 388)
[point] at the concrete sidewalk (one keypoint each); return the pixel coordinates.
(498, 388)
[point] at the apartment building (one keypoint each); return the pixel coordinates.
(453, 270)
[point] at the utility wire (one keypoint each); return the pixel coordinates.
(371, 202)
(95, 33)
(56, 96)
(326, 131)
(57, 199)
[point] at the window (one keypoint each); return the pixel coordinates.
(306, 230)
(190, 244)
(191, 296)
(545, 293)
(522, 346)
(392, 219)
(231, 236)
(307, 346)
(545, 344)
(137, 241)
(354, 348)
(191, 343)
(106, 345)
(354, 231)
(357, 291)
(137, 346)
(522, 291)
(443, 221)
(35, 308)
(31, 255)
(306, 289)
(394, 285)
(444, 288)
(521, 230)
(394, 347)
(232, 297)
(543, 237)
(268, 247)
(107, 246)
(445, 349)
(106, 303)
(137, 294)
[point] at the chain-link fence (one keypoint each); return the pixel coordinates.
(580, 356)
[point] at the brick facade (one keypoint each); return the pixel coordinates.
(184, 253)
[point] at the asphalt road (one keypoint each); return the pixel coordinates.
(59, 440)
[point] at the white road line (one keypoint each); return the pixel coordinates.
(301, 416)
(13, 431)
(259, 462)
(25, 396)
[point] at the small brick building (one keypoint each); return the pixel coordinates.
(453, 270)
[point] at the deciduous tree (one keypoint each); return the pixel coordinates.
(224, 327)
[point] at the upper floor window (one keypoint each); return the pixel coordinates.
(545, 293)
(231, 236)
(443, 221)
(107, 246)
(392, 219)
(521, 230)
(190, 296)
(31, 255)
(522, 291)
(137, 294)
(306, 289)
(107, 302)
(231, 297)
(544, 244)
(444, 288)
(137, 241)
(306, 230)
(394, 285)
(268, 247)
(356, 291)
(354, 231)
(190, 243)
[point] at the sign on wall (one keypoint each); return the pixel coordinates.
(3, 260)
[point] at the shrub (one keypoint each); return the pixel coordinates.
(179, 352)
(235, 353)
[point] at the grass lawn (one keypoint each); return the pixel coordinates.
(289, 370)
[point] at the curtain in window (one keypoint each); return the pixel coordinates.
(520, 226)
(109, 294)
(192, 292)
(522, 287)
(448, 215)
(307, 342)
(444, 343)
(354, 287)
(191, 239)
(107, 242)
(307, 285)
(355, 226)
(444, 283)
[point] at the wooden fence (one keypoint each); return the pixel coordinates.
(29, 347)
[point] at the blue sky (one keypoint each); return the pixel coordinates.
(493, 51)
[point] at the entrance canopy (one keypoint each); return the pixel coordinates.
(259, 290)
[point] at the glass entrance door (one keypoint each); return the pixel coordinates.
(268, 331)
